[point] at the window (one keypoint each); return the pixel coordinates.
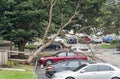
(105, 68)
(63, 63)
(71, 54)
(63, 54)
(84, 62)
(91, 68)
(73, 64)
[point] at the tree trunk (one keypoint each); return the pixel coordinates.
(21, 46)
(33, 55)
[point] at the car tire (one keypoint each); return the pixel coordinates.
(115, 78)
(69, 78)
(48, 62)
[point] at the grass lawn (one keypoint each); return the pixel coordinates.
(107, 46)
(27, 74)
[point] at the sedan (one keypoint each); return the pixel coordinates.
(96, 40)
(90, 71)
(62, 55)
(64, 65)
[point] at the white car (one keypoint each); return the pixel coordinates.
(96, 40)
(83, 48)
(59, 39)
(90, 71)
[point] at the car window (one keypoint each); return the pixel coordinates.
(105, 68)
(91, 68)
(71, 54)
(63, 63)
(73, 64)
(80, 67)
(62, 54)
(84, 62)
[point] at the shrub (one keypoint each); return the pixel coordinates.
(31, 46)
(115, 42)
(10, 63)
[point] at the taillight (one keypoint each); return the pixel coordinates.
(50, 68)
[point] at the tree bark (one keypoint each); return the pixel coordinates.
(21, 46)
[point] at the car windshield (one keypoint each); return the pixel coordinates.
(78, 68)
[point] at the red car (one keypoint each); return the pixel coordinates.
(62, 55)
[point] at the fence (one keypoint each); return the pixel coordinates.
(3, 57)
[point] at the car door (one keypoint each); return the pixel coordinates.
(71, 65)
(60, 56)
(90, 72)
(71, 55)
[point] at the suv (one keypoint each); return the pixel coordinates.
(72, 39)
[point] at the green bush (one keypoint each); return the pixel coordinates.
(31, 46)
(10, 63)
(115, 42)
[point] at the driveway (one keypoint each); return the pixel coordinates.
(109, 56)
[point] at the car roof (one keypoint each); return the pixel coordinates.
(89, 62)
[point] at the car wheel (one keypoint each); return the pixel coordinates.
(69, 78)
(115, 78)
(48, 62)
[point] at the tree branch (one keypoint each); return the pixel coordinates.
(50, 18)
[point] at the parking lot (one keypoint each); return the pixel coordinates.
(104, 55)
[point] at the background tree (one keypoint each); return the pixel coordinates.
(21, 21)
(111, 17)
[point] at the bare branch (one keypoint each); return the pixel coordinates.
(50, 18)
(68, 22)
(83, 29)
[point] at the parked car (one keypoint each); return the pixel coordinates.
(59, 39)
(96, 40)
(72, 39)
(62, 55)
(90, 71)
(107, 39)
(53, 46)
(64, 65)
(83, 48)
(118, 47)
(84, 39)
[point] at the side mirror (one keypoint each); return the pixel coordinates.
(82, 71)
